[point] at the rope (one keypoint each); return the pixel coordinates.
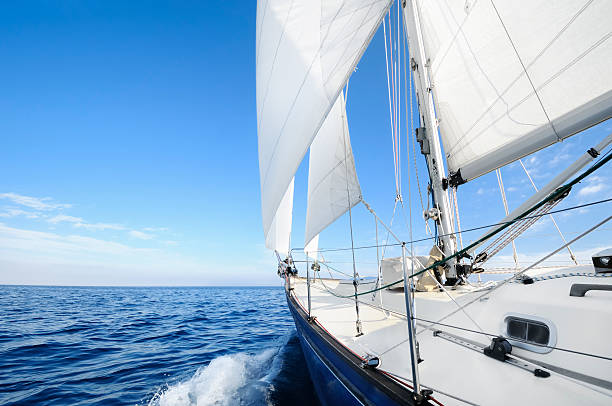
(580, 206)
(511, 234)
(454, 193)
(408, 78)
(551, 217)
(348, 200)
(565, 275)
(559, 192)
(500, 182)
(528, 268)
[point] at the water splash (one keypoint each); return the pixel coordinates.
(240, 378)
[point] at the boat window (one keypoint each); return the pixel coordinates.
(528, 330)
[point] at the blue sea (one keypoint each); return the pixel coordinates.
(149, 346)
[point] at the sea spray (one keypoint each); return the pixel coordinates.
(231, 379)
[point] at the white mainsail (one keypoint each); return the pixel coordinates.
(306, 50)
(510, 78)
(333, 186)
(278, 237)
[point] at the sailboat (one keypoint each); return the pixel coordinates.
(493, 82)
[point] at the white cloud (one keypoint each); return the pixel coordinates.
(35, 257)
(36, 203)
(44, 243)
(10, 212)
(140, 235)
(99, 226)
(155, 229)
(591, 189)
(595, 184)
(78, 222)
(64, 218)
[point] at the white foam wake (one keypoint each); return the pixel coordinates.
(231, 379)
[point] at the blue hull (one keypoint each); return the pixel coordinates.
(336, 372)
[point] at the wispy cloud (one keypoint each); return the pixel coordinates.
(140, 235)
(37, 203)
(155, 229)
(100, 226)
(64, 218)
(11, 212)
(38, 257)
(595, 184)
(45, 208)
(78, 222)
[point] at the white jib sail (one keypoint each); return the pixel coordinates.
(278, 237)
(306, 50)
(312, 248)
(333, 186)
(512, 77)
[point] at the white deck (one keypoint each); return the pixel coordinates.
(448, 368)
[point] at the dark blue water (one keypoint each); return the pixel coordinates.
(149, 346)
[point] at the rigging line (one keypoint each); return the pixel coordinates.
(408, 133)
(454, 193)
(474, 228)
(557, 194)
(500, 182)
(388, 233)
(348, 198)
(400, 378)
(408, 78)
(331, 268)
(396, 101)
(378, 265)
(381, 222)
(525, 269)
(392, 90)
(399, 99)
(569, 249)
(453, 299)
(389, 93)
(517, 339)
(525, 70)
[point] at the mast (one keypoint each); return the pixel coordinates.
(428, 137)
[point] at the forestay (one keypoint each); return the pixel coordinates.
(512, 77)
(278, 237)
(333, 187)
(306, 50)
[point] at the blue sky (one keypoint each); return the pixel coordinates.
(128, 150)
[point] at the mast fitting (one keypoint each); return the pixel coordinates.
(413, 64)
(421, 137)
(455, 179)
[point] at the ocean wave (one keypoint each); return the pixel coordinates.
(239, 378)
